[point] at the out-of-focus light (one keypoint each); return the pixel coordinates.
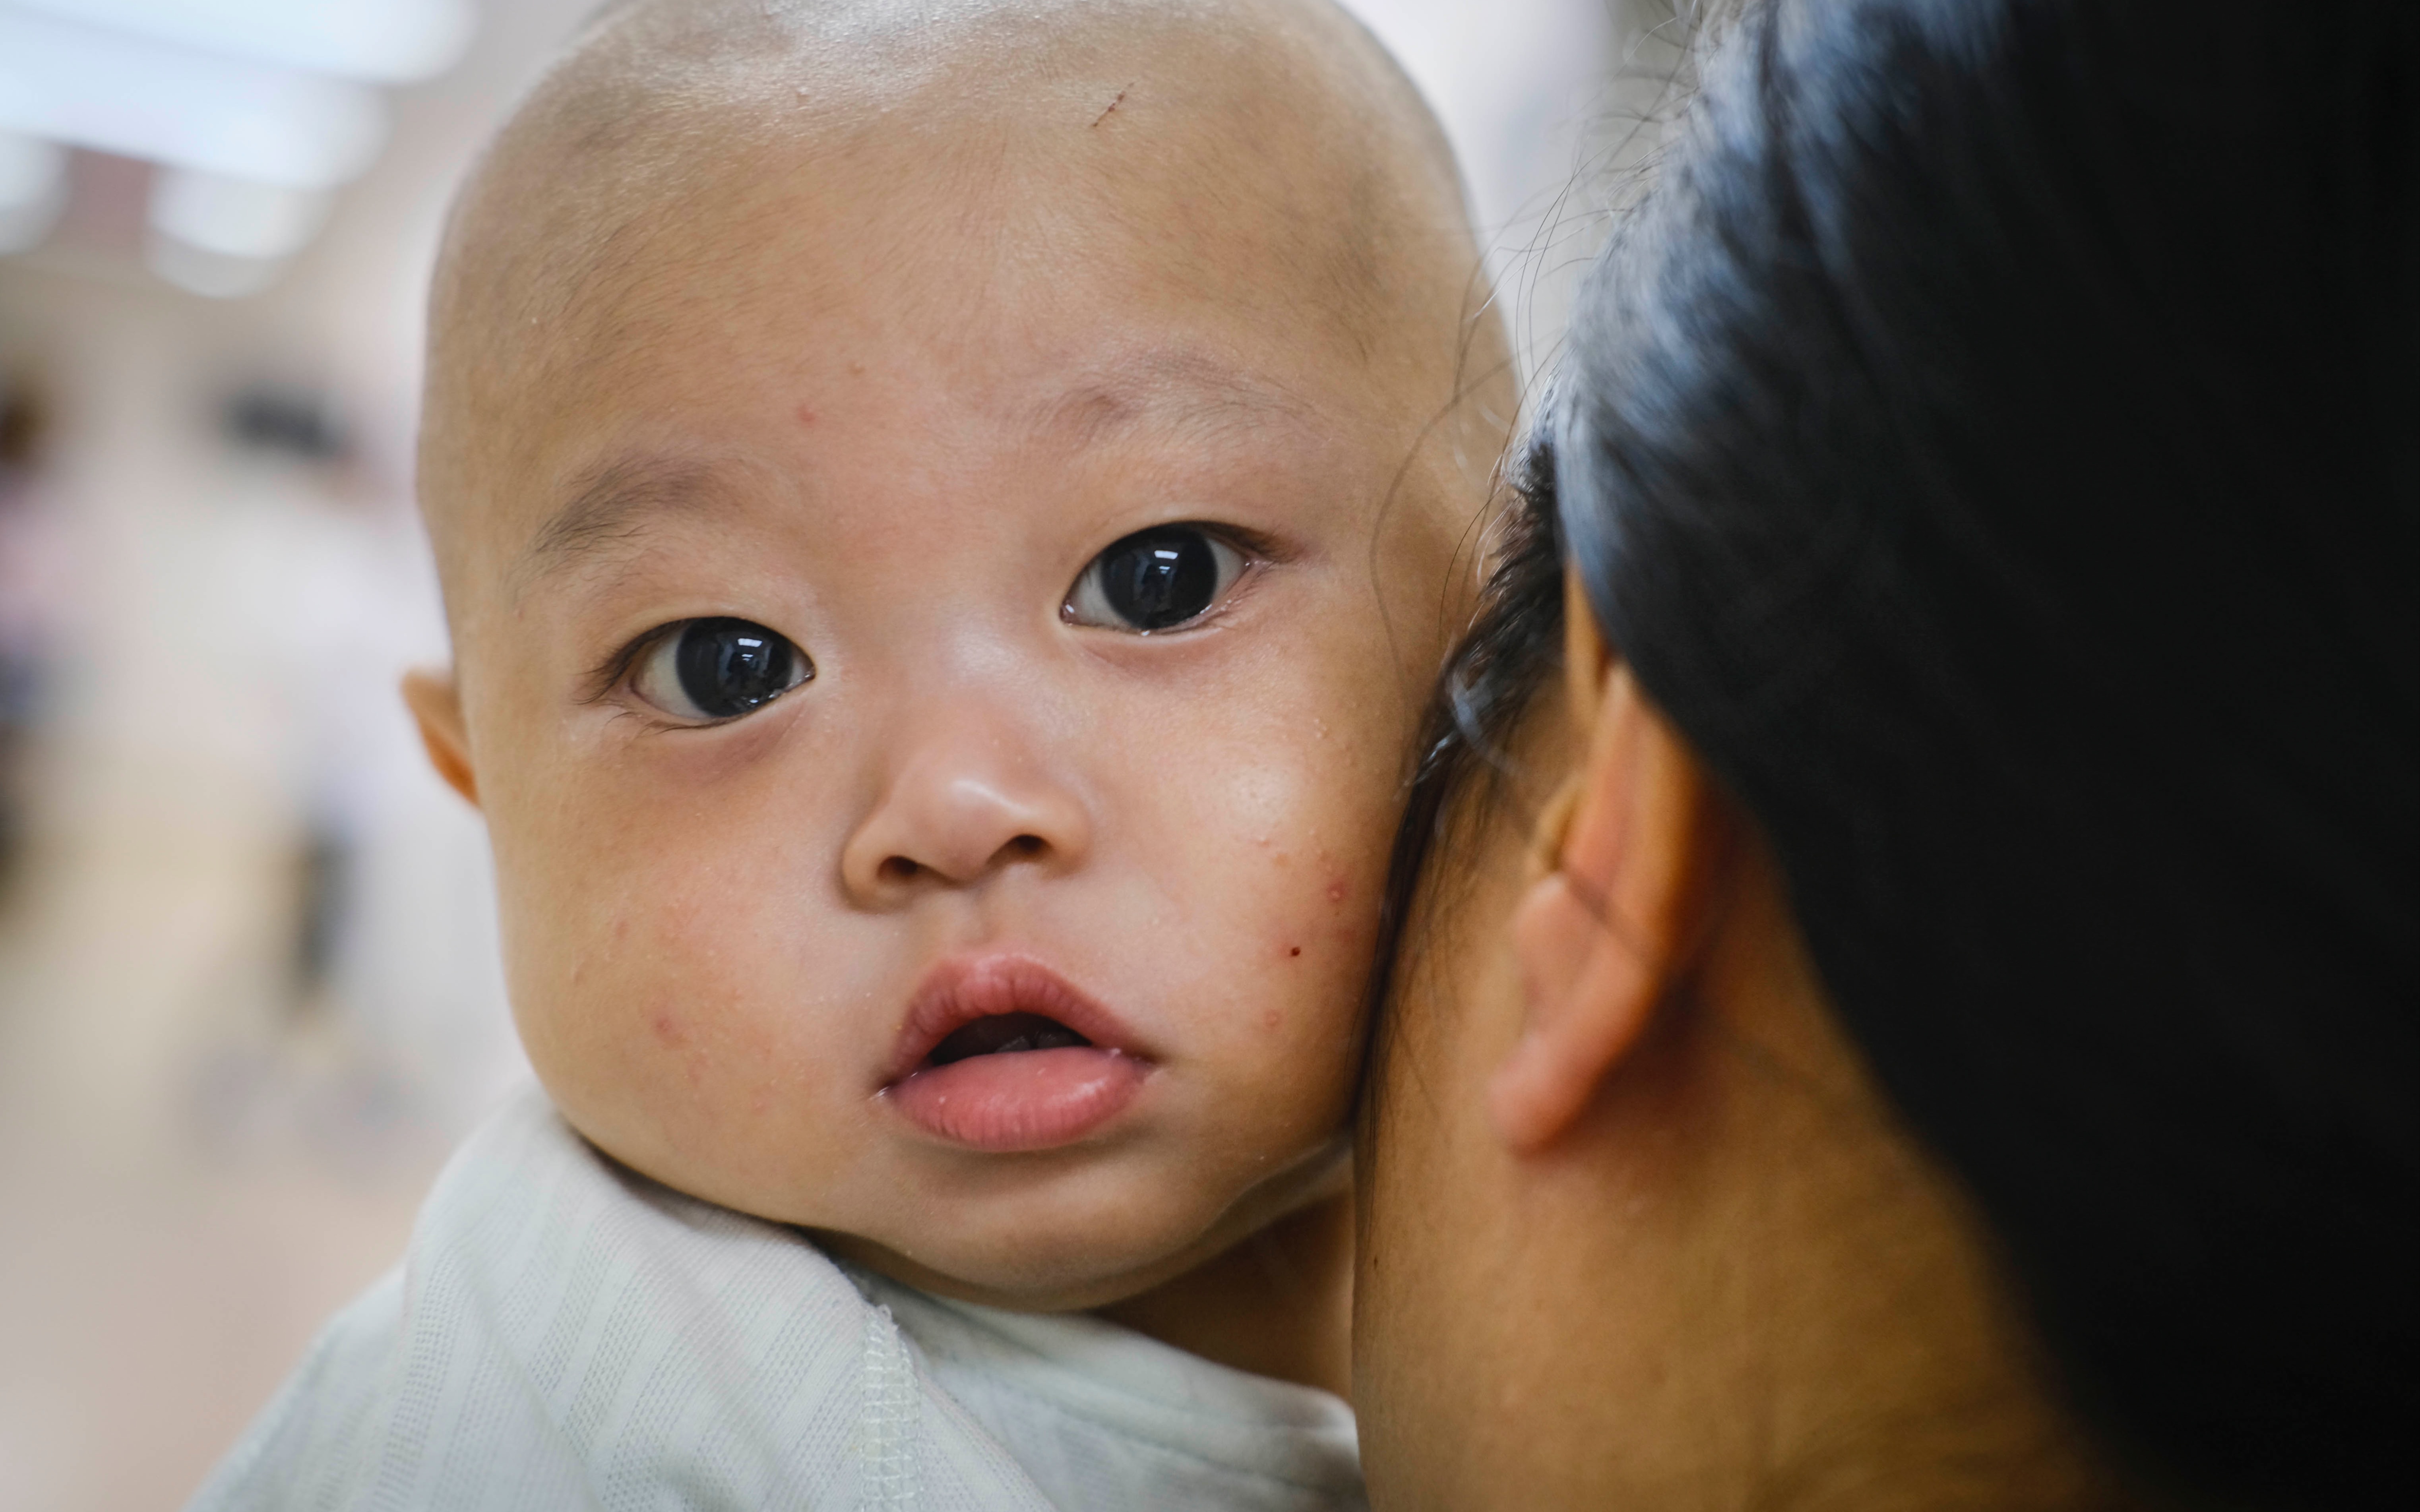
(144, 98)
(33, 189)
(235, 217)
(198, 271)
(392, 41)
(227, 237)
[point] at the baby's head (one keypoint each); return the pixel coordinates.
(947, 513)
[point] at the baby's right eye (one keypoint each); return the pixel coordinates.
(705, 671)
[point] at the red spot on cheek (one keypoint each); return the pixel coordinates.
(1271, 1019)
(1336, 887)
(806, 416)
(668, 1029)
(1294, 951)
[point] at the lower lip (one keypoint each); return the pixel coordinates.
(1023, 1100)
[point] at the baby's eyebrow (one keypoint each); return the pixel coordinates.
(608, 506)
(1169, 385)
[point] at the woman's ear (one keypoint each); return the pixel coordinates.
(1603, 931)
(436, 704)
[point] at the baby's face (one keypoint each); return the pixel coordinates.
(938, 650)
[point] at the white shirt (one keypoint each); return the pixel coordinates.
(565, 1334)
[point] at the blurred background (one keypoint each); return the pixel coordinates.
(249, 993)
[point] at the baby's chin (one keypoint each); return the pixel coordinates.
(1044, 1267)
(1048, 1231)
(1054, 1279)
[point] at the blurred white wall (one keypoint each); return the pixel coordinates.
(202, 1152)
(1519, 86)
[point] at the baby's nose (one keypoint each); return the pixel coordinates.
(959, 811)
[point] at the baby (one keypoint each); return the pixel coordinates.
(947, 512)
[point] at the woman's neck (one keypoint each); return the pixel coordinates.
(1278, 1304)
(1883, 1351)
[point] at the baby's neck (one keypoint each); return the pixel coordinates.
(1280, 1303)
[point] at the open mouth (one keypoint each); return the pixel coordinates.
(1002, 1054)
(1006, 1034)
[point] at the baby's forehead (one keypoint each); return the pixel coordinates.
(1037, 290)
(994, 264)
(1017, 198)
(1200, 116)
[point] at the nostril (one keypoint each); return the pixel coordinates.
(900, 870)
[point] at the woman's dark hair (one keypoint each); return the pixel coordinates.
(1996, 444)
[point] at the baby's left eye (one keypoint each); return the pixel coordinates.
(1161, 579)
(720, 669)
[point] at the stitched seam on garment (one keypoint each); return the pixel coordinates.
(888, 1418)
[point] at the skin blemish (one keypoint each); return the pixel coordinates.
(1271, 1019)
(1336, 889)
(668, 1031)
(1113, 104)
(806, 416)
(1294, 951)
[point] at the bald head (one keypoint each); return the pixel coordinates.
(654, 90)
(1273, 137)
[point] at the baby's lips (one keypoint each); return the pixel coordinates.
(1029, 1101)
(962, 989)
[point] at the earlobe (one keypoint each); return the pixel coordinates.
(1587, 1000)
(436, 705)
(1600, 936)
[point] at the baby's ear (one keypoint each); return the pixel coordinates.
(436, 704)
(1602, 935)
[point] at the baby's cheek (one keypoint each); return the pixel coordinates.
(652, 1044)
(1325, 870)
(1324, 910)
(1303, 1019)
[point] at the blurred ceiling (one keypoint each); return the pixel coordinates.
(252, 112)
